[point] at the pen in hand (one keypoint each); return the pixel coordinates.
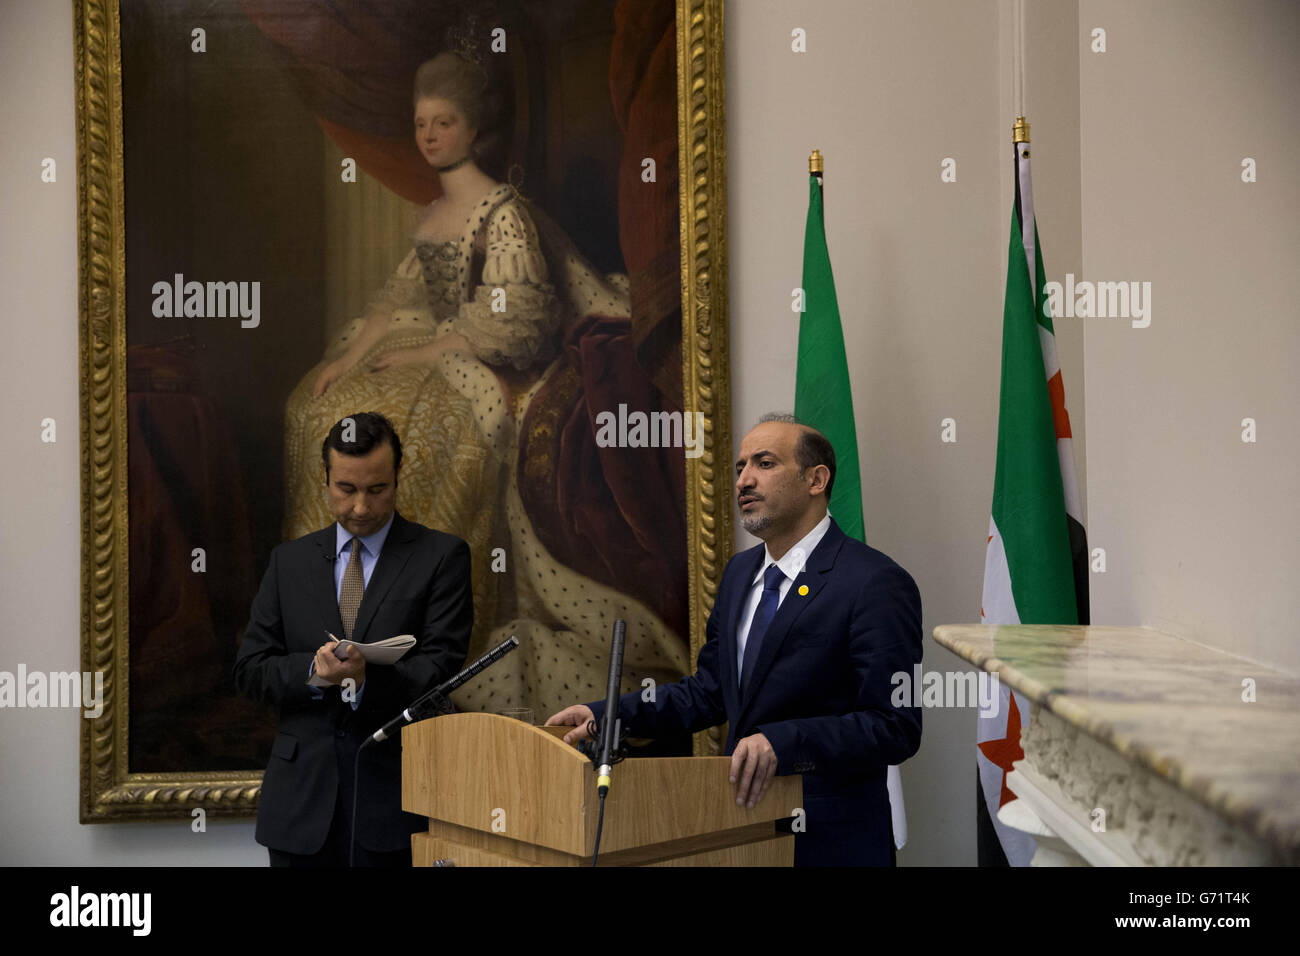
(343, 656)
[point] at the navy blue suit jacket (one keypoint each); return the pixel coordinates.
(820, 691)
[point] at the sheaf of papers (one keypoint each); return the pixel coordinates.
(380, 652)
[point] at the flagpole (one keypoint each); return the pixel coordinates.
(1025, 196)
(823, 399)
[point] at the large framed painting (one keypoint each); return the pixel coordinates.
(272, 238)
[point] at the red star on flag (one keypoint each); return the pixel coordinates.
(1006, 751)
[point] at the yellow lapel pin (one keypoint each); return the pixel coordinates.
(803, 590)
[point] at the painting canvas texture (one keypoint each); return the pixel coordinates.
(275, 199)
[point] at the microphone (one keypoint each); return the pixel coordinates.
(609, 726)
(427, 705)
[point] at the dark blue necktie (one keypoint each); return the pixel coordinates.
(763, 615)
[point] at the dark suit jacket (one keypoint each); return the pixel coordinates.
(420, 586)
(820, 690)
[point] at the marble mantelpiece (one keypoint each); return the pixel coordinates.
(1156, 731)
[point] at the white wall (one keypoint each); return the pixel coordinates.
(1199, 528)
(40, 543)
(1137, 157)
(1136, 162)
(887, 91)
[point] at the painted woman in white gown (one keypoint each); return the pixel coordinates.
(453, 349)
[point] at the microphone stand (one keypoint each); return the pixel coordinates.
(606, 754)
(429, 704)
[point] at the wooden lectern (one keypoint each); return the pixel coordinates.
(499, 792)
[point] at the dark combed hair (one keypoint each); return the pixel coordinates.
(812, 449)
(370, 430)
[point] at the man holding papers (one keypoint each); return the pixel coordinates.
(370, 576)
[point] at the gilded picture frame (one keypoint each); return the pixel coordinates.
(110, 791)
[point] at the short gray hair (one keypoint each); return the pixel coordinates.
(781, 418)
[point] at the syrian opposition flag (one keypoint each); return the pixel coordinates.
(823, 399)
(1035, 569)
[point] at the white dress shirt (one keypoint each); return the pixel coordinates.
(791, 564)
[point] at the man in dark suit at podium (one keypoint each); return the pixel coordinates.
(370, 576)
(803, 638)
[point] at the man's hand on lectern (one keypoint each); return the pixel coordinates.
(577, 716)
(752, 765)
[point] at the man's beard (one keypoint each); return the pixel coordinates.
(755, 524)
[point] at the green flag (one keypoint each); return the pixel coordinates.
(822, 396)
(823, 399)
(1029, 567)
(1035, 569)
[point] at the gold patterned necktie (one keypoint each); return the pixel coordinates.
(354, 586)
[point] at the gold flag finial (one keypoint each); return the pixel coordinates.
(815, 165)
(1020, 130)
